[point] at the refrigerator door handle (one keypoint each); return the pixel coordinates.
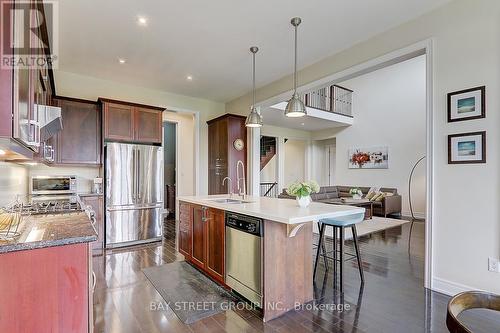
(119, 209)
(138, 173)
(134, 165)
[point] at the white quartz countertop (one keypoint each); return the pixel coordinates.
(280, 210)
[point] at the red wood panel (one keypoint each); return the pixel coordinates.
(45, 290)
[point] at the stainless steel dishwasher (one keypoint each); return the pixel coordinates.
(244, 256)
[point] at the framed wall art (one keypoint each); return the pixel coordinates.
(467, 148)
(467, 104)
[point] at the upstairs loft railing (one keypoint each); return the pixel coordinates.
(335, 99)
(269, 189)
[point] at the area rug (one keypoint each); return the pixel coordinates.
(190, 294)
(376, 224)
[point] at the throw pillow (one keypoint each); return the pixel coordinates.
(380, 197)
(375, 196)
(370, 195)
(388, 194)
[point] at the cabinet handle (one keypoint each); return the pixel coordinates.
(94, 281)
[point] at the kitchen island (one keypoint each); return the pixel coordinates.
(286, 253)
(46, 274)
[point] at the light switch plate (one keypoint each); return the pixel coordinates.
(493, 265)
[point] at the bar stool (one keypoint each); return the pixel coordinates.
(339, 224)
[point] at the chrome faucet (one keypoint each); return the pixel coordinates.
(242, 190)
(230, 188)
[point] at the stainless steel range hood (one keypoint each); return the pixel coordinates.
(50, 121)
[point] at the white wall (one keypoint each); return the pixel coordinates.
(466, 53)
(322, 169)
(389, 110)
(185, 151)
(13, 182)
(270, 172)
(294, 161)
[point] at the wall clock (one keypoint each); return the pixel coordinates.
(239, 144)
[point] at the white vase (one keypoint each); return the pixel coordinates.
(303, 201)
(356, 196)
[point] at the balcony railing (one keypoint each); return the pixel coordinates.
(335, 99)
(269, 189)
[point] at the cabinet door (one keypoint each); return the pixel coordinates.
(79, 142)
(218, 157)
(97, 204)
(185, 229)
(198, 256)
(118, 122)
(215, 240)
(147, 125)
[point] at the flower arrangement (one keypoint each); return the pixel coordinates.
(356, 193)
(302, 189)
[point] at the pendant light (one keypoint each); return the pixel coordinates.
(254, 119)
(295, 107)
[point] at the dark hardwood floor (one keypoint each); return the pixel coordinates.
(392, 299)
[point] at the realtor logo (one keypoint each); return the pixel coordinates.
(29, 37)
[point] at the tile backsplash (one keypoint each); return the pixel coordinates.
(13, 182)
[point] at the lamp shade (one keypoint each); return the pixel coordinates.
(295, 107)
(254, 119)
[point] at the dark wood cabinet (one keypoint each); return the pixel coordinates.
(79, 142)
(216, 246)
(198, 236)
(223, 156)
(97, 204)
(118, 122)
(24, 91)
(147, 125)
(204, 228)
(131, 122)
(185, 230)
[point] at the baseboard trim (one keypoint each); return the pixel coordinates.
(418, 215)
(450, 288)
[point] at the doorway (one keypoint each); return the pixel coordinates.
(170, 170)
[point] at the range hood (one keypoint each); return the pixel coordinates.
(50, 121)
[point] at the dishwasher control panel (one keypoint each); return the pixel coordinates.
(249, 224)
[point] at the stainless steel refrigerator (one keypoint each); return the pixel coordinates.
(134, 194)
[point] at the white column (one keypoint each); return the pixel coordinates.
(280, 162)
(253, 158)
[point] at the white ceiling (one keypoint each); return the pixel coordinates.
(210, 39)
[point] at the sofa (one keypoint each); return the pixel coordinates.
(390, 204)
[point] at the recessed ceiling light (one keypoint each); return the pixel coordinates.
(2, 152)
(302, 124)
(142, 21)
(189, 78)
(122, 61)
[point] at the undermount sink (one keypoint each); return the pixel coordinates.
(229, 201)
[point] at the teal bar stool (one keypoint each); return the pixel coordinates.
(339, 224)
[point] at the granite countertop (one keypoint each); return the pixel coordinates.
(279, 210)
(39, 231)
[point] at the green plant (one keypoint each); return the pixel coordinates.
(354, 191)
(302, 189)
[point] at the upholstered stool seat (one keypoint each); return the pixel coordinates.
(339, 224)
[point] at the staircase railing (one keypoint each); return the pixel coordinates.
(269, 189)
(335, 99)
